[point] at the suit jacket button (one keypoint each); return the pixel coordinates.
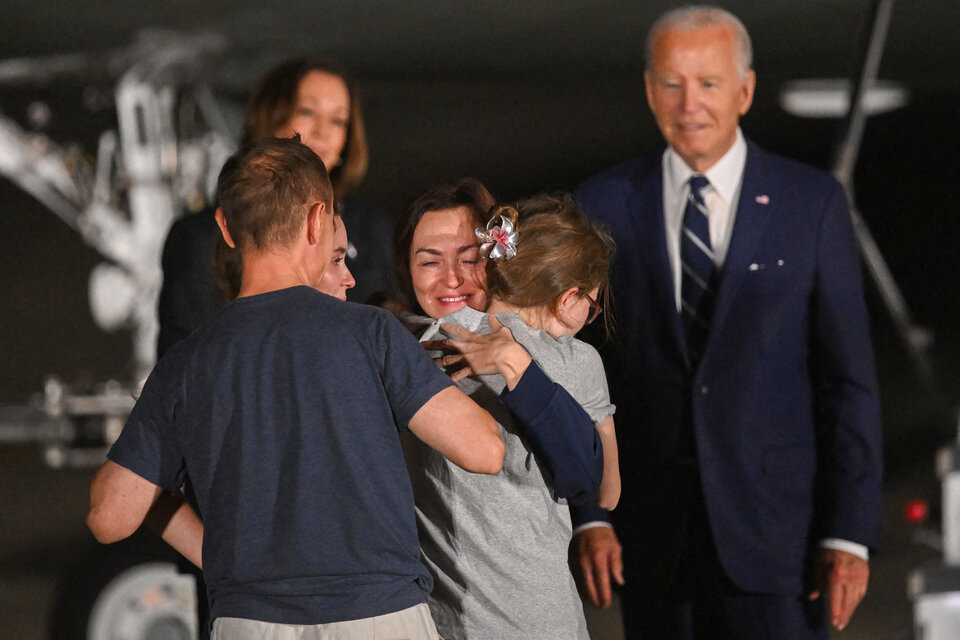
(703, 389)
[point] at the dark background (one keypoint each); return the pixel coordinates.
(525, 96)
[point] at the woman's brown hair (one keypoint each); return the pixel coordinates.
(269, 108)
(558, 249)
(273, 102)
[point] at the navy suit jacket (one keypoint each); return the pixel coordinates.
(784, 402)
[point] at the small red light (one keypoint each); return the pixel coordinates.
(916, 511)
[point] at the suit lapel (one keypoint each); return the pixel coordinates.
(754, 212)
(647, 204)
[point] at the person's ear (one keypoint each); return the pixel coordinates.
(569, 297)
(314, 220)
(648, 90)
(222, 223)
(746, 93)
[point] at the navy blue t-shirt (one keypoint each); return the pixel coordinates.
(285, 410)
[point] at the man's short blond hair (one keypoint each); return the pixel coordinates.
(266, 190)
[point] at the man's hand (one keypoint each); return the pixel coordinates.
(595, 557)
(494, 352)
(843, 576)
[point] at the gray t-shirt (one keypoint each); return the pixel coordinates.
(497, 545)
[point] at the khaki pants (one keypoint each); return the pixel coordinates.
(414, 623)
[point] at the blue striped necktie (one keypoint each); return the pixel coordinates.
(698, 283)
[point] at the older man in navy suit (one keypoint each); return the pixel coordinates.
(743, 371)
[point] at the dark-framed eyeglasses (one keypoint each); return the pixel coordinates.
(595, 309)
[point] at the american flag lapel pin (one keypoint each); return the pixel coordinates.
(762, 199)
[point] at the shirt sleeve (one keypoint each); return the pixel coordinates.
(595, 395)
(409, 376)
(582, 515)
(855, 548)
(560, 433)
(148, 445)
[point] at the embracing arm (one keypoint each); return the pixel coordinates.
(559, 431)
(461, 431)
(609, 493)
(174, 520)
(119, 502)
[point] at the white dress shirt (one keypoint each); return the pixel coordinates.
(725, 176)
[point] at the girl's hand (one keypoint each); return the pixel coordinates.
(480, 354)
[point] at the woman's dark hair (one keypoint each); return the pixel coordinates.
(466, 192)
(272, 104)
(269, 108)
(558, 249)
